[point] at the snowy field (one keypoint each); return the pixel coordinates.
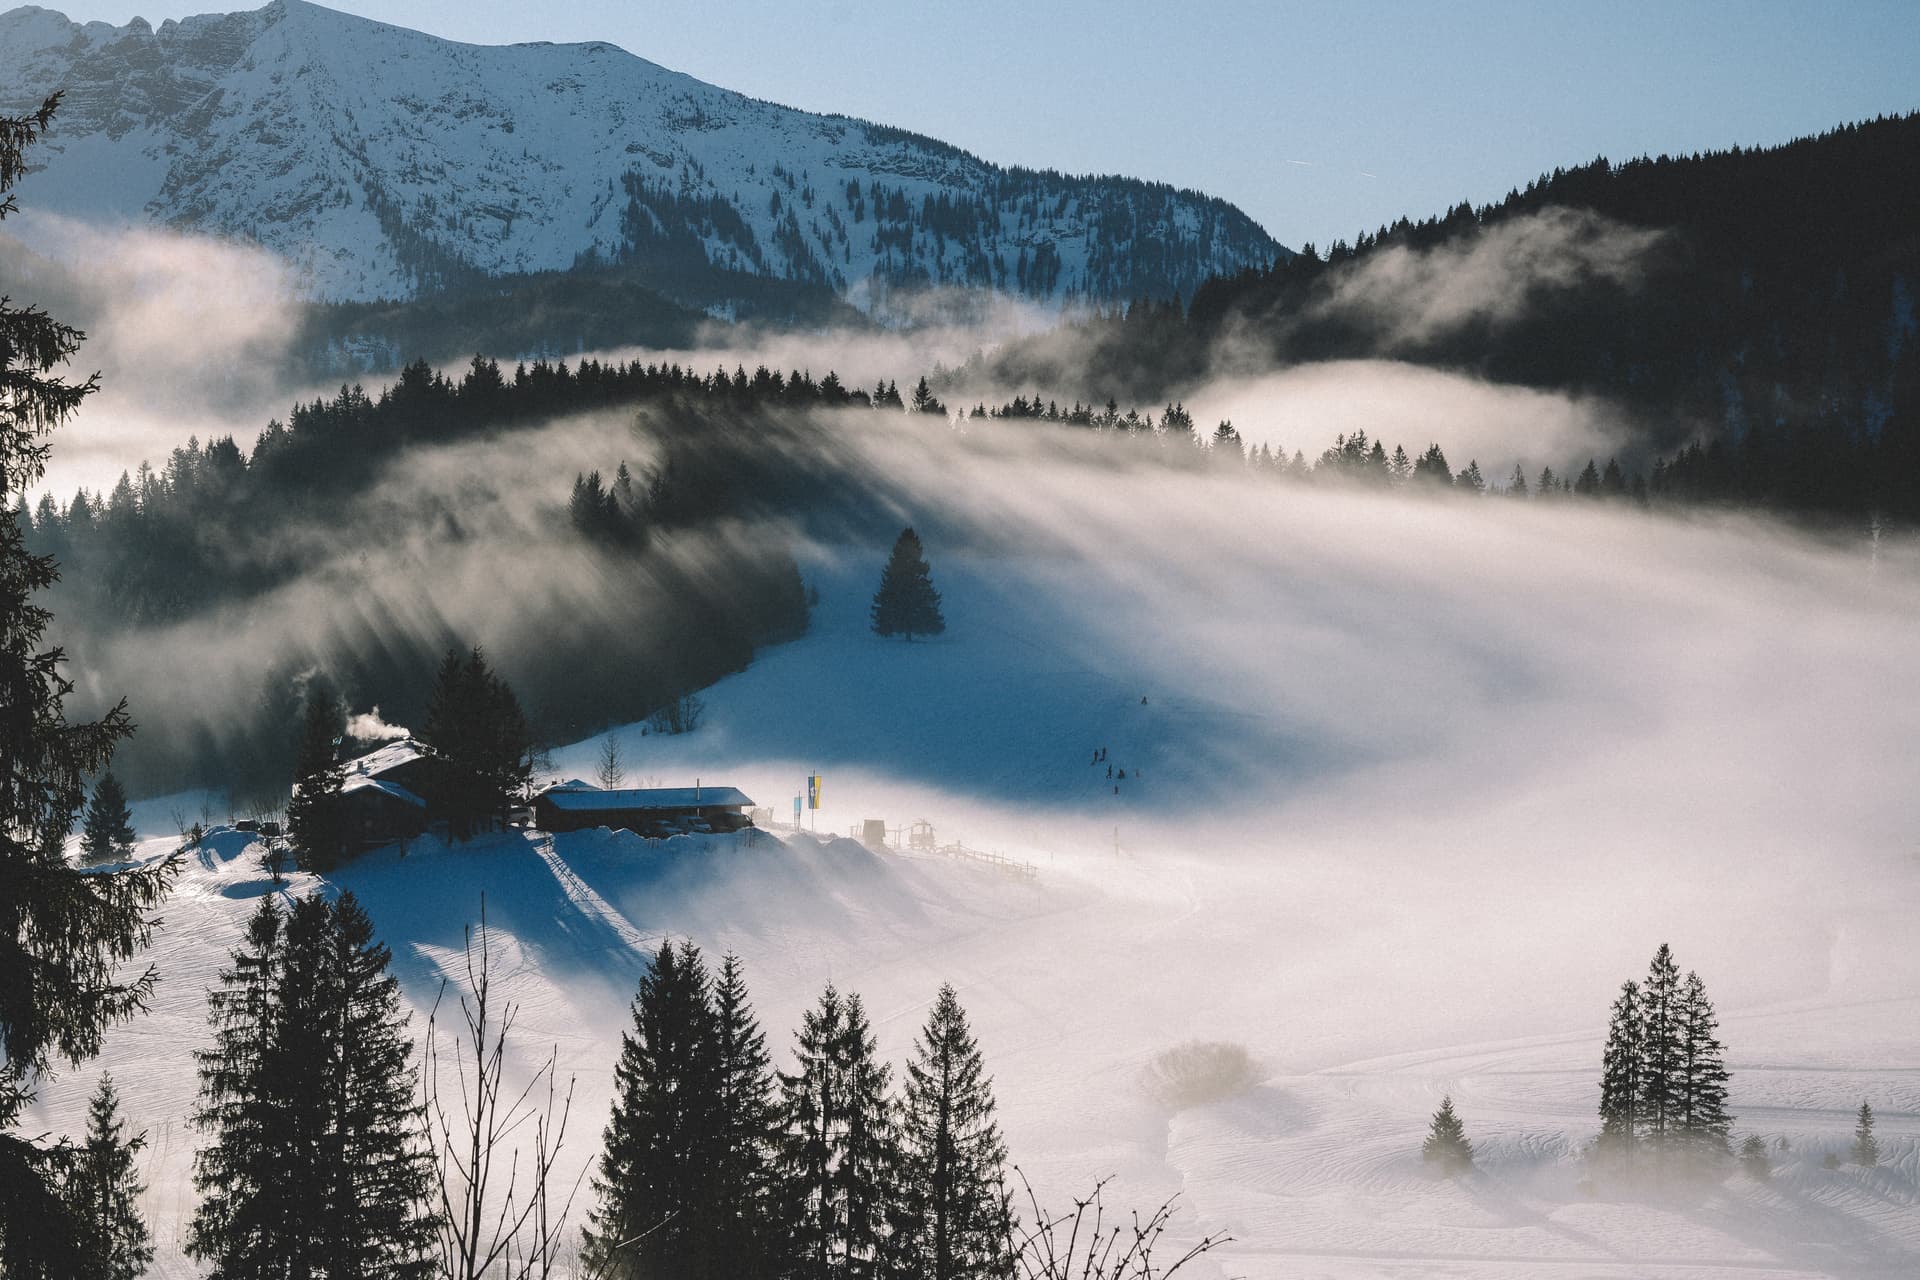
(1412, 788)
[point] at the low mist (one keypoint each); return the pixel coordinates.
(191, 336)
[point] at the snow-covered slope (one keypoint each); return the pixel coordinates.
(381, 160)
(1402, 832)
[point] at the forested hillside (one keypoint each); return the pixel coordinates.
(1758, 303)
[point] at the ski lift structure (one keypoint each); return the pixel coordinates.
(918, 838)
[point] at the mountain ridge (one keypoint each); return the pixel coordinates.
(384, 163)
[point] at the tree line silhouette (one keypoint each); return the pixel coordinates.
(1774, 319)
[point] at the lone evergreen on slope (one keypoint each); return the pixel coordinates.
(1446, 1146)
(103, 1195)
(906, 603)
(1866, 1147)
(63, 933)
(107, 830)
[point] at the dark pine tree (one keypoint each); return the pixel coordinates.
(1866, 1147)
(743, 1206)
(316, 818)
(1701, 1096)
(837, 1157)
(107, 829)
(1661, 1066)
(103, 1194)
(924, 400)
(63, 933)
(1621, 1076)
(1446, 1146)
(809, 1142)
(1431, 468)
(323, 721)
(954, 1217)
(869, 1167)
(1587, 483)
(380, 1172)
(653, 1213)
(474, 721)
(318, 1165)
(243, 1191)
(906, 603)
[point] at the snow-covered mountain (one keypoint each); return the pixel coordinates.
(382, 162)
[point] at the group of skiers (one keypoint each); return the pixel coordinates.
(1100, 758)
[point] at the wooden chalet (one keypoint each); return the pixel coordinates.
(380, 794)
(649, 811)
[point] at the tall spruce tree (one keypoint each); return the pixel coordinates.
(809, 1142)
(103, 1194)
(870, 1162)
(1620, 1076)
(906, 603)
(742, 1192)
(1446, 1146)
(243, 1195)
(317, 1166)
(1661, 1066)
(924, 400)
(1866, 1147)
(654, 1211)
(1701, 1096)
(838, 1155)
(316, 818)
(107, 829)
(63, 933)
(380, 1173)
(954, 1215)
(475, 722)
(323, 721)
(1431, 468)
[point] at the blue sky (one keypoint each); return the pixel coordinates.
(1319, 120)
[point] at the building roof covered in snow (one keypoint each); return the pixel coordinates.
(399, 752)
(361, 782)
(593, 799)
